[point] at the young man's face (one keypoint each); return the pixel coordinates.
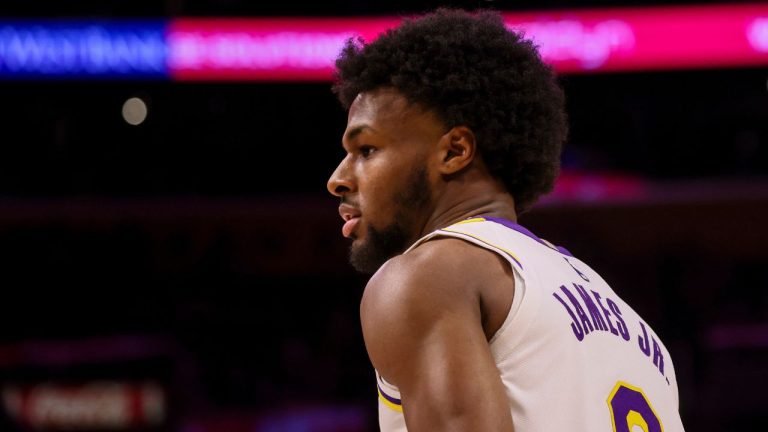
(384, 180)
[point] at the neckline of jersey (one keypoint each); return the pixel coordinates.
(523, 230)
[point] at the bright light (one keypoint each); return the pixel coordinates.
(134, 111)
(757, 33)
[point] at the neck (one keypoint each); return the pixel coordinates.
(460, 200)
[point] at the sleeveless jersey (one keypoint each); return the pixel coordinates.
(571, 354)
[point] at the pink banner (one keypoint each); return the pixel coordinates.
(622, 39)
(282, 49)
(649, 38)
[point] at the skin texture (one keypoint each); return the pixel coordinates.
(427, 315)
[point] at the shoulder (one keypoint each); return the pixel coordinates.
(422, 325)
(415, 295)
(440, 267)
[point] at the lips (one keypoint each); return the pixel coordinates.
(351, 217)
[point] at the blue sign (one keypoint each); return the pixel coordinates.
(56, 49)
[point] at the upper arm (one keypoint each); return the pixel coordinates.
(422, 324)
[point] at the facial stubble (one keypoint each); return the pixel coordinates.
(381, 244)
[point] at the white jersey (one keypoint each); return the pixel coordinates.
(571, 354)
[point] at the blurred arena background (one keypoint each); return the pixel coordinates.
(171, 261)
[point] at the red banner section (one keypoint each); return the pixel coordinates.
(99, 405)
(578, 41)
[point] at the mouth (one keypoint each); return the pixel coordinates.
(351, 217)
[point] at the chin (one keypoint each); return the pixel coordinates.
(376, 247)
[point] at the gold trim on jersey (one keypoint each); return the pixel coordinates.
(393, 406)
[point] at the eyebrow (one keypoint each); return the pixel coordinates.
(355, 131)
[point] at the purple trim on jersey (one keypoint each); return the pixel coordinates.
(523, 230)
(501, 251)
(388, 397)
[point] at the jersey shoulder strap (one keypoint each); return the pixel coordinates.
(505, 237)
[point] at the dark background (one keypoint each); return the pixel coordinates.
(205, 236)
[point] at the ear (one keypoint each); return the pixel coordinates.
(456, 150)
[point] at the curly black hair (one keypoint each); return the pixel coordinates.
(474, 72)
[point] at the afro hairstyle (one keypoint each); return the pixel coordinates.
(471, 71)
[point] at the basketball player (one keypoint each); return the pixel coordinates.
(472, 322)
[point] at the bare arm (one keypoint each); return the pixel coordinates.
(422, 323)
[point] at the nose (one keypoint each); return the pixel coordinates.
(341, 181)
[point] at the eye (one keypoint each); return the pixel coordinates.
(366, 151)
